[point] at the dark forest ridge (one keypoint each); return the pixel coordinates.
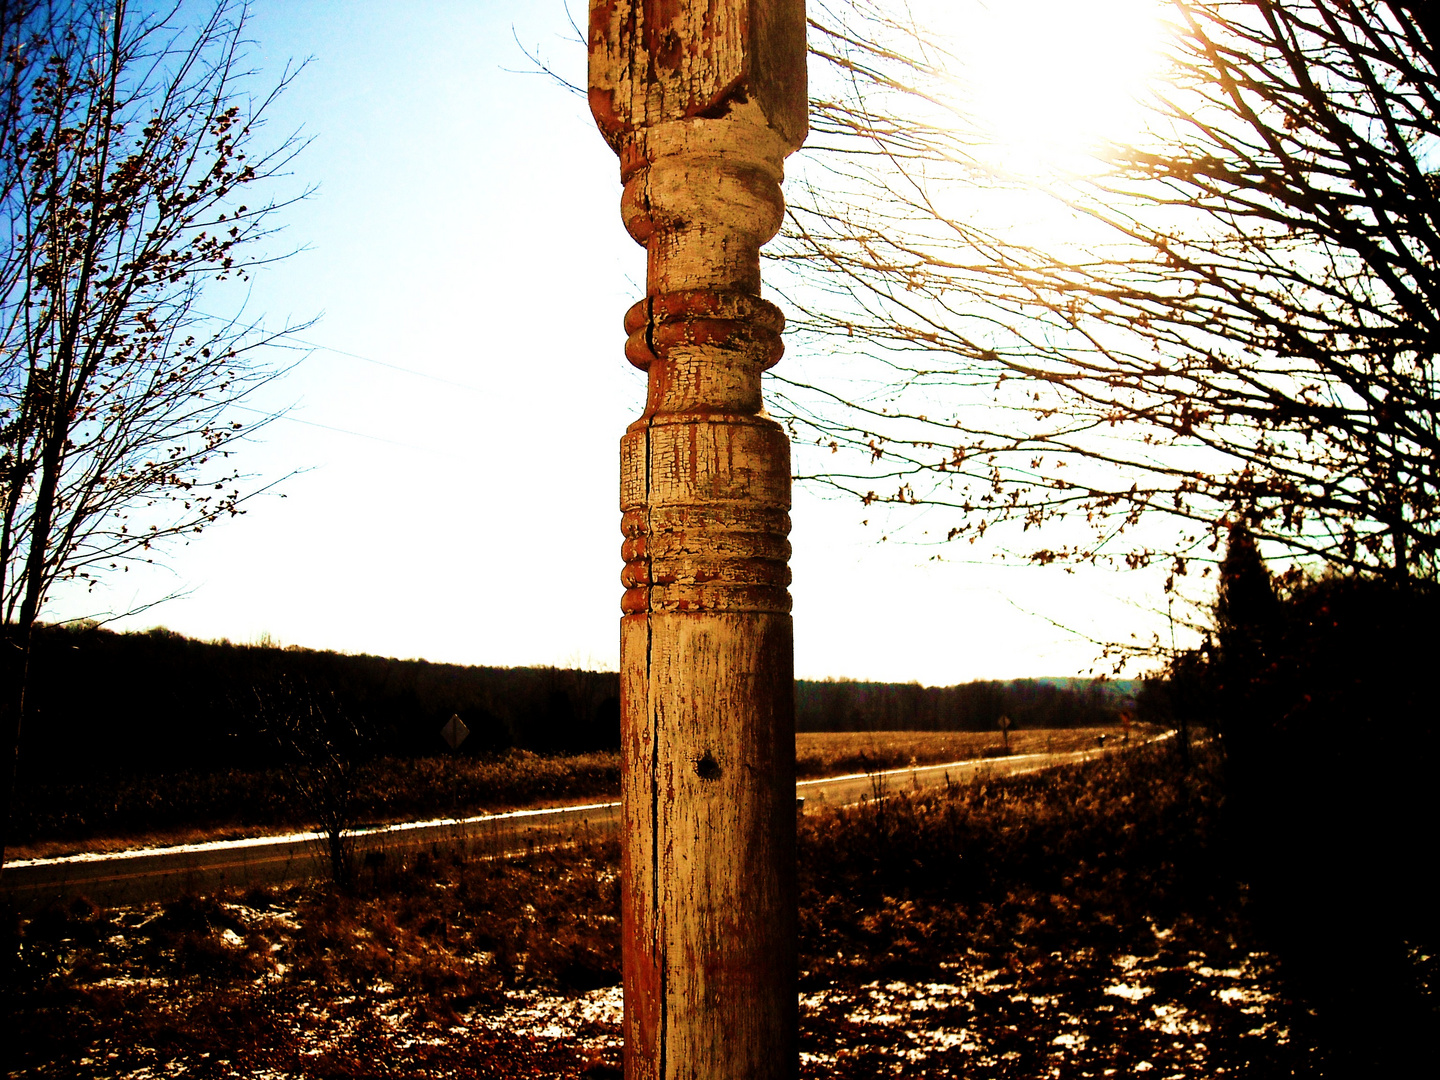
(144, 733)
(159, 701)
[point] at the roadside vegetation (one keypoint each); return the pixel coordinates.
(1068, 923)
(1065, 923)
(114, 811)
(832, 753)
(157, 737)
(403, 974)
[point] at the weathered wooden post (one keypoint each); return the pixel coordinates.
(703, 100)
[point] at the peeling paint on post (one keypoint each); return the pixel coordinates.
(702, 100)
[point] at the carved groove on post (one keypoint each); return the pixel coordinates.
(702, 100)
(717, 557)
(736, 321)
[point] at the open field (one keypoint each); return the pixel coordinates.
(829, 753)
(1067, 923)
(113, 813)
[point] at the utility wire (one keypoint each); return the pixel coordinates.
(342, 431)
(368, 360)
(382, 363)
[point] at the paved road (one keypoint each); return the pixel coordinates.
(844, 790)
(160, 873)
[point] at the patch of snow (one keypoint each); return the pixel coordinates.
(1129, 992)
(1249, 995)
(936, 995)
(1282, 1034)
(1172, 1020)
(552, 1016)
(118, 981)
(1215, 973)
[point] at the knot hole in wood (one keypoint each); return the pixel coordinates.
(707, 768)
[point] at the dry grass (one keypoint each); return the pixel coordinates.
(397, 977)
(1072, 923)
(832, 753)
(113, 814)
(1062, 924)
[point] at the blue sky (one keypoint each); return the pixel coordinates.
(466, 228)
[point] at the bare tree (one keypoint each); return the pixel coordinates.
(129, 180)
(1246, 332)
(321, 746)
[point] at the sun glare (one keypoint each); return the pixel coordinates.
(1054, 79)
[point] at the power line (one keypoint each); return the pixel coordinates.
(340, 430)
(368, 360)
(385, 364)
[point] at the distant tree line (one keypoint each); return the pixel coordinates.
(843, 705)
(158, 701)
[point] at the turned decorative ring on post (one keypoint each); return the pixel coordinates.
(702, 100)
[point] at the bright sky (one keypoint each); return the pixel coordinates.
(467, 229)
(1055, 77)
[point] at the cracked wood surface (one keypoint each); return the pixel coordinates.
(702, 100)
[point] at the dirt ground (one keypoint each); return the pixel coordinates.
(1074, 923)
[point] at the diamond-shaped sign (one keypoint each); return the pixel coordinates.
(454, 731)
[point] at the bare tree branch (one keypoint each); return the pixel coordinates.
(132, 178)
(1247, 332)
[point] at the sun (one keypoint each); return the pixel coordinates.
(1054, 80)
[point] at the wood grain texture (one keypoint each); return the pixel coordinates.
(708, 863)
(658, 60)
(703, 100)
